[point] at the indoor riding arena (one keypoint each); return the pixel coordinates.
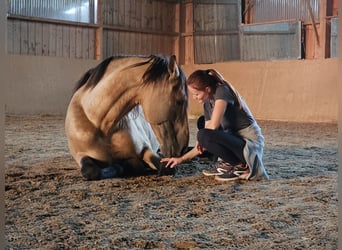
(281, 57)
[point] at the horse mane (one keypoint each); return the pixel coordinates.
(93, 75)
(155, 72)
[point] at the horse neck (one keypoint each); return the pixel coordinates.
(112, 98)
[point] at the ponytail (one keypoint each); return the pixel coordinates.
(221, 81)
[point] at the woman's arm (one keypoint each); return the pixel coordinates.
(218, 112)
(172, 162)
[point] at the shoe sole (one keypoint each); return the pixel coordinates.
(212, 174)
(219, 178)
(238, 177)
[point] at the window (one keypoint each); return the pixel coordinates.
(83, 11)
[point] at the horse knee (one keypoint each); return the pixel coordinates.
(203, 135)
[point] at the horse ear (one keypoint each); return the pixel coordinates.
(173, 67)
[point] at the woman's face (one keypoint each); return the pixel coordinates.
(199, 95)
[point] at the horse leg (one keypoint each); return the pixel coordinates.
(92, 169)
(153, 162)
(166, 171)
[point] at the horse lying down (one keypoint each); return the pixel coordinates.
(125, 114)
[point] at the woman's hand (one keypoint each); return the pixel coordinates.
(199, 148)
(172, 162)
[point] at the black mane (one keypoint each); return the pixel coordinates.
(156, 71)
(93, 76)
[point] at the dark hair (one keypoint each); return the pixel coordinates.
(200, 79)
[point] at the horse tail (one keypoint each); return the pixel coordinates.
(93, 76)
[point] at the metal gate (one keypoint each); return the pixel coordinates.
(276, 41)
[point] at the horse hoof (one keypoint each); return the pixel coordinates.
(167, 171)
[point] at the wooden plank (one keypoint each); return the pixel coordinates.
(72, 41)
(116, 12)
(66, 42)
(109, 43)
(39, 38)
(324, 46)
(16, 37)
(115, 43)
(124, 42)
(156, 16)
(23, 38)
(310, 42)
(59, 40)
(52, 39)
(46, 38)
(92, 45)
(121, 13)
(146, 15)
(127, 13)
(31, 38)
(10, 36)
(85, 43)
(99, 32)
(138, 14)
(107, 9)
(79, 43)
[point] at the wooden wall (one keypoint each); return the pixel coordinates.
(34, 36)
(122, 27)
(139, 27)
(196, 31)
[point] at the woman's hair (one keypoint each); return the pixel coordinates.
(200, 79)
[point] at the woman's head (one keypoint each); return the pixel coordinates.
(201, 79)
(202, 84)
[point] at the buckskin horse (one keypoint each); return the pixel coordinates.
(125, 114)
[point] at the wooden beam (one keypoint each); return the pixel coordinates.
(313, 20)
(323, 28)
(99, 32)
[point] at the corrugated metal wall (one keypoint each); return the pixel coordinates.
(275, 10)
(216, 30)
(276, 41)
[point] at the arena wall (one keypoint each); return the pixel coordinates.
(302, 90)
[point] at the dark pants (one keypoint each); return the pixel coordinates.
(226, 145)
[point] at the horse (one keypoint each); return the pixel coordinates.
(127, 113)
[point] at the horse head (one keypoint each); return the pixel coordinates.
(165, 105)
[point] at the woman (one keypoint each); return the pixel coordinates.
(230, 132)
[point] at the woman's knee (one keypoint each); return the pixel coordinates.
(203, 135)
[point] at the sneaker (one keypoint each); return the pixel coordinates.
(240, 171)
(219, 168)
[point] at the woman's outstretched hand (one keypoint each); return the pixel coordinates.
(172, 162)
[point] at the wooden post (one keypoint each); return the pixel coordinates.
(186, 46)
(177, 44)
(99, 32)
(323, 28)
(313, 21)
